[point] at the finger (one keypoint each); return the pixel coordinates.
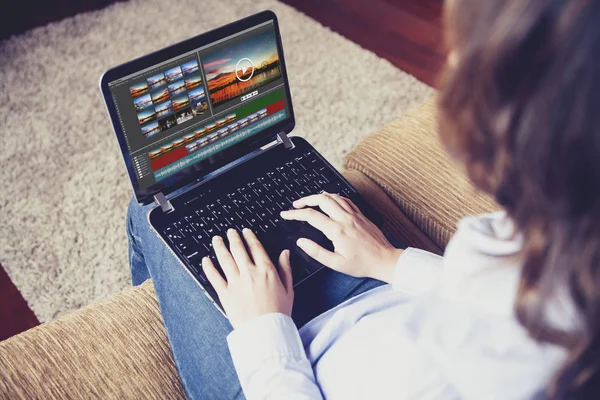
(317, 219)
(322, 255)
(213, 276)
(347, 202)
(329, 206)
(341, 201)
(238, 250)
(226, 261)
(285, 271)
(257, 251)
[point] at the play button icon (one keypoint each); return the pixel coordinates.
(242, 68)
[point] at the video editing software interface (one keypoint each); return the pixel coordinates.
(182, 111)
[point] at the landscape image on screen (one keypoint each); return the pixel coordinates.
(142, 102)
(180, 102)
(138, 89)
(147, 115)
(150, 130)
(173, 74)
(160, 95)
(156, 81)
(176, 88)
(220, 67)
(189, 67)
(196, 94)
(193, 81)
(163, 109)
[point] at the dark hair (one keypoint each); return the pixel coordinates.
(521, 110)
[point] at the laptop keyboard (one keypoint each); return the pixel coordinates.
(254, 204)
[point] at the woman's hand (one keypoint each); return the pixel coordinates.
(253, 286)
(361, 250)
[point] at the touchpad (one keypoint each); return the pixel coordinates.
(298, 258)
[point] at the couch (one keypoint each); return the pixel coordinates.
(118, 348)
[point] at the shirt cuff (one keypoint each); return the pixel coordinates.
(417, 271)
(264, 337)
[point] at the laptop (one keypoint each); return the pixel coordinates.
(204, 129)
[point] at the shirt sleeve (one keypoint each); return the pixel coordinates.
(417, 271)
(270, 360)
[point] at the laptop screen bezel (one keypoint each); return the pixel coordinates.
(187, 176)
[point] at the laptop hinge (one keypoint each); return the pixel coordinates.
(282, 137)
(162, 201)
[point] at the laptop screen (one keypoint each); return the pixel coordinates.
(181, 114)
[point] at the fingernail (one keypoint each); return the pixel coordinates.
(230, 231)
(246, 230)
(216, 238)
(204, 259)
(301, 242)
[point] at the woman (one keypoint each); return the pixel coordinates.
(511, 311)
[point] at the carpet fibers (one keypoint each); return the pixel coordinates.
(62, 209)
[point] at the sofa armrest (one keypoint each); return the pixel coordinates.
(407, 161)
(396, 223)
(114, 349)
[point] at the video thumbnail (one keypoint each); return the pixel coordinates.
(167, 122)
(160, 95)
(173, 74)
(242, 67)
(199, 107)
(180, 102)
(142, 102)
(189, 67)
(146, 116)
(138, 89)
(197, 94)
(150, 130)
(193, 81)
(183, 115)
(164, 109)
(156, 81)
(154, 153)
(177, 88)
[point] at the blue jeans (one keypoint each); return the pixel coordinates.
(196, 330)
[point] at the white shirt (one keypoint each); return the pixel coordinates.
(444, 329)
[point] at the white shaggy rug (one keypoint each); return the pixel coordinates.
(64, 187)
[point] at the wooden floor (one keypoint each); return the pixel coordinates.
(15, 314)
(408, 33)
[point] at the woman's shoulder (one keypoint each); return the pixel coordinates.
(482, 263)
(493, 234)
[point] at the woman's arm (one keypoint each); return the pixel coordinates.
(265, 345)
(270, 360)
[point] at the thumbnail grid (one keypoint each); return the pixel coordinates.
(169, 98)
(208, 134)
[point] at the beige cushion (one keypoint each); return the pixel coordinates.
(116, 349)
(406, 160)
(396, 224)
